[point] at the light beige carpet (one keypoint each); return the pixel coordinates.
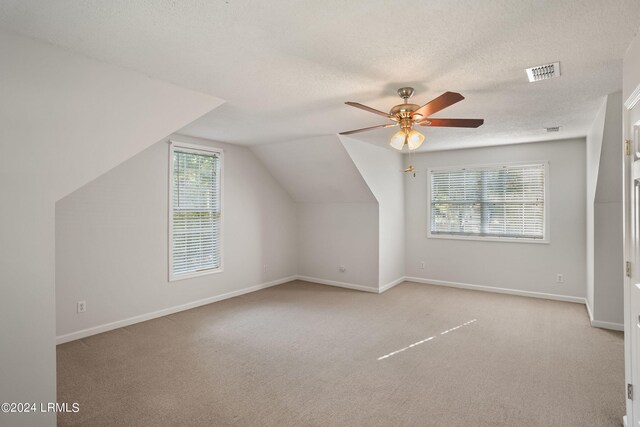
(301, 354)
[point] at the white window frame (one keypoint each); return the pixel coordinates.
(547, 235)
(195, 148)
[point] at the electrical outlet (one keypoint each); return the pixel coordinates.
(264, 268)
(421, 265)
(82, 306)
(560, 278)
(342, 268)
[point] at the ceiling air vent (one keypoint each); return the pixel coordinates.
(553, 129)
(543, 72)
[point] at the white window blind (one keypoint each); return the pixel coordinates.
(497, 201)
(195, 211)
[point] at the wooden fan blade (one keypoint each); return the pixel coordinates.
(443, 101)
(369, 109)
(388, 125)
(453, 123)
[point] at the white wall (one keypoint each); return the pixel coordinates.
(382, 170)
(337, 211)
(331, 235)
(528, 267)
(64, 119)
(112, 239)
(608, 301)
(593, 150)
(605, 258)
(608, 297)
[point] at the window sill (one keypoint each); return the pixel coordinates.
(175, 278)
(488, 239)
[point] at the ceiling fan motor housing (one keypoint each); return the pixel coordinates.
(405, 110)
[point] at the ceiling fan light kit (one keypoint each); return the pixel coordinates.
(398, 140)
(407, 115)
(414, 139)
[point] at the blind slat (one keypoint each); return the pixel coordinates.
(501, 201)
(196, 211)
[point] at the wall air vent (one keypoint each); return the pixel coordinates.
(543, 72)
(553, 129)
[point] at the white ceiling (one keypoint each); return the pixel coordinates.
(285, 67)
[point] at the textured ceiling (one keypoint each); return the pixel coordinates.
(286, 67)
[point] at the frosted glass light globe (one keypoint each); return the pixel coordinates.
(414, 139)
(397, 140)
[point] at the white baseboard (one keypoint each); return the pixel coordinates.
(601, 324)
(589, 311)
(542, 295)
(61, 339)
(391, 284)
(337, 284)
(566, 298)
(352, 285)
(607, 325)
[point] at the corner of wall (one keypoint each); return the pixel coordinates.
(604, 214)
(381, 168)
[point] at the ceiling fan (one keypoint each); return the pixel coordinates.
(406, 115)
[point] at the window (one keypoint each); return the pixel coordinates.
(195, 211)
(505, 202)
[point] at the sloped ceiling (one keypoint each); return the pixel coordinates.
(609, 184)
(316, 170)
(286, 66)
(81, 117)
